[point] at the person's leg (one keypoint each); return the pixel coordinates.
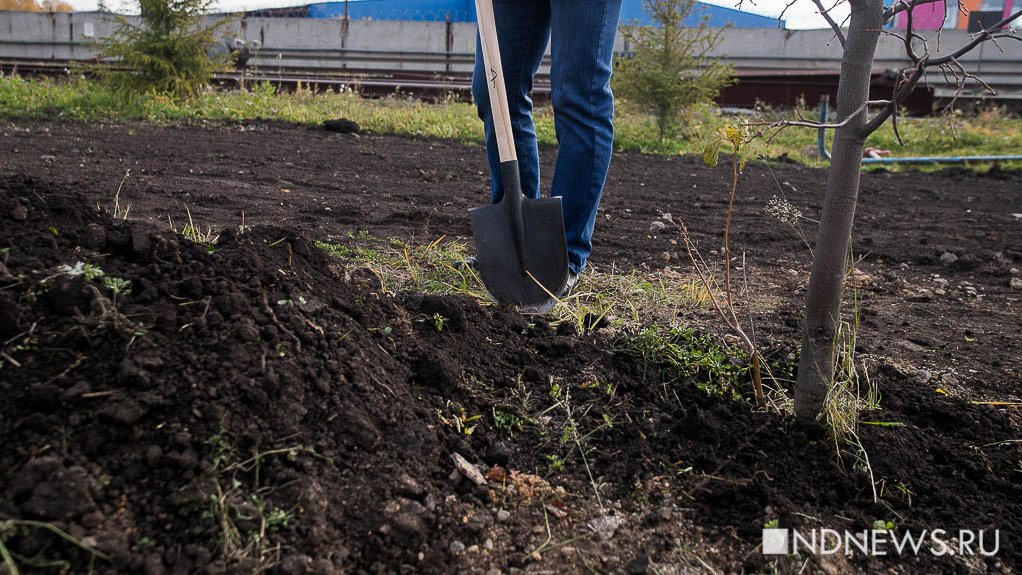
(523, 29)
(582, 47)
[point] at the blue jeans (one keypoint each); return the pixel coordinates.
(581, 35)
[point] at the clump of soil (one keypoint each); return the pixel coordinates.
(255, 405)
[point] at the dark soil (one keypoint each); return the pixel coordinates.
(266, 407)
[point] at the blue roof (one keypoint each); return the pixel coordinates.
(464, 11)
(429, 10)
(633, 11)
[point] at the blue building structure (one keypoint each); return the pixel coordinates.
(415, 10)
(632, 11)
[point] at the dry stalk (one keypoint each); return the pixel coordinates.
(726, 309)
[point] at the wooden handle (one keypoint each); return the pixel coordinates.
(495, 81)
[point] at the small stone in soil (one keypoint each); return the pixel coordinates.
(1015, 283)
(920, 377)
(471, 472)
(457, 547)
(605, 527)
(95, 237)
(948, 258)
(638, 566)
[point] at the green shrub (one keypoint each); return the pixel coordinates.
(167, 54)
(670, 70)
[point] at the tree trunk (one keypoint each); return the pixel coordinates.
(826, 280)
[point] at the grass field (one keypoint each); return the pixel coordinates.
(982, 133)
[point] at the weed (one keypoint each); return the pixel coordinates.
(882, 525)
(121, 213)
(904, 491)
(104, 311)
(570, 431)
(556, 392)
(10, 528)
(507, 420)
(850, 395)
(458, 419)
(238, 506)
(289, 302)
(195, 233)
(117, 285)
(24, 341)
(437, 321)
(555, 464)
(87, 271)
(789, 214)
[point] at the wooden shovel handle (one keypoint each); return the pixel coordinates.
(495, 81)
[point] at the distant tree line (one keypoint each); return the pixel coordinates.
(34, 6)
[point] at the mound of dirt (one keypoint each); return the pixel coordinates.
(254, 405)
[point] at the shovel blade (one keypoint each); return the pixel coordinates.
(543, 253)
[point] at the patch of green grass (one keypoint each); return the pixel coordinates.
(603, 297)
(988, 132)
(684, 354)
(86, 100)
(400, 266)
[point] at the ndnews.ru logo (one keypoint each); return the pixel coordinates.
(880, 542)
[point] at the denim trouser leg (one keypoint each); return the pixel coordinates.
(582, 47)
(523, 29)
(582, 34)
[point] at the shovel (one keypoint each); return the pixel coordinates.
(520, 250)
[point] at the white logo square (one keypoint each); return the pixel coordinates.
(775, 542)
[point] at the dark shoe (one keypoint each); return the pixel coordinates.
(568, 285)
(549, 305)
(469, 263)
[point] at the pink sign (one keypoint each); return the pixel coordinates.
(930, 16)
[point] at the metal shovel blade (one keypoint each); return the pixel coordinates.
(529, 270)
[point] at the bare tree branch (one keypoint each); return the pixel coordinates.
(978, 39)
(899, 7)
(825, 12)
(947, 63)
(910, 35)
(961, 75)
(785, 11)
(902, 91)
(818, 125)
